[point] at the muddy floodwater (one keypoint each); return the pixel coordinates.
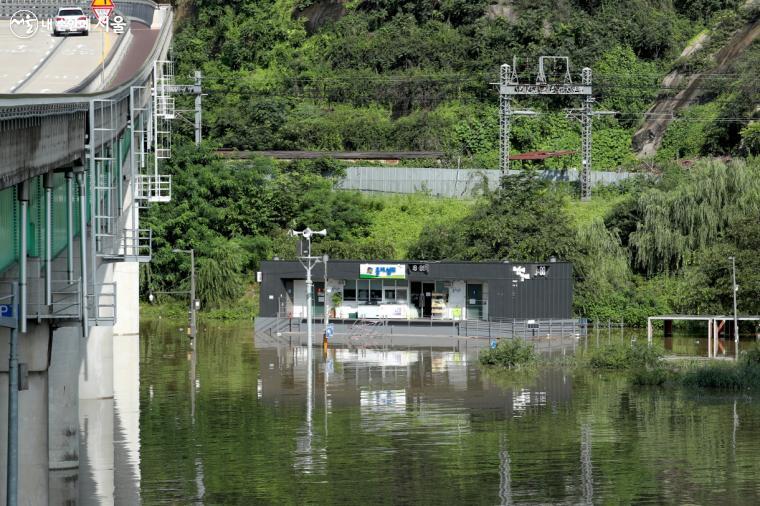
(230, 421)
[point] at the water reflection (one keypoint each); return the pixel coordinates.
(237, 421)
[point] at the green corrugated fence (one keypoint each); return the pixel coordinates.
(10, 218)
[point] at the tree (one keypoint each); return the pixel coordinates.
(523, 220)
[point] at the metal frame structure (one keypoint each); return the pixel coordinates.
(715, 324)
(510, 87)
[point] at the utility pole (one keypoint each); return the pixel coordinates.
(194, 305)
(198, 112)
(193, 89)
(734, 289)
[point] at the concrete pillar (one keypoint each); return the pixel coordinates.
(127, 275)
(63, 418)
(33, 415)
(96, 461)
(96, 416)
(126, 384)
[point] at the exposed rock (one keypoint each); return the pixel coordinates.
(648, 138)
(696, 45)
(502, 9)
(320, 13)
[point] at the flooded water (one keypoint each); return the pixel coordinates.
(231, 422)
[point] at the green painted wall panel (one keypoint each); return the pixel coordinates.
(36, 219)
(8, 228)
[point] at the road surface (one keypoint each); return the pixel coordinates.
(47, 64)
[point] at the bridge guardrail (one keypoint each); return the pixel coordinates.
(60, 106)
(141, 10)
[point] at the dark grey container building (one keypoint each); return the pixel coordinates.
(416, 290)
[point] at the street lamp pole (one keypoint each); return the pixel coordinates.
(193, 319)
(325, 258)
(193, 305)
(734, 289)
(311, 261)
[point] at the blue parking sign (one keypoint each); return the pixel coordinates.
(329, 331)
(7, 318)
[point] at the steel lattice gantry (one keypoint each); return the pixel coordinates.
(509, 87)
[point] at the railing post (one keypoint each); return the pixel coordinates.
(23, 198)
(48, 184)
(69, 227)
(79, 171)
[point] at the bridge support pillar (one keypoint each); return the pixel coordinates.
(63, 432)
(32, 415)
(96, 416)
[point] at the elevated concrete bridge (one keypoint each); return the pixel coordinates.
(84, 127)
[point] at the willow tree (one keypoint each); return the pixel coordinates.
(220, 277)
(601, 268)
(678, 223)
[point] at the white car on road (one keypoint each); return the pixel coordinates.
(71, 20)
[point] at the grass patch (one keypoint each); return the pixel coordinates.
(403, 217)
(244, 309)
(599, 206)
(509, 354)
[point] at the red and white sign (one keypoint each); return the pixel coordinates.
(102, 10)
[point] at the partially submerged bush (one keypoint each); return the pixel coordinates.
(752, 355)
(624, 356)
(509, 353)
(741, 375)
(649, 377)
(724, 376)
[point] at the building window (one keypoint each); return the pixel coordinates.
(349, 290)
(375, 291)
(362, 291)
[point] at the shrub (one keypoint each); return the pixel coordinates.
(621, 356)
(649, 377)
(722, 376)
(752, 355)
(509, 353)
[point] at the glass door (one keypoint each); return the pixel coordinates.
(474, 301)
(319, 298)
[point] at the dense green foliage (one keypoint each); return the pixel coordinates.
(520, 220)
(509, 354)
(396, 74)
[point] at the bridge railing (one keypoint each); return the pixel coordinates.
(141, 10)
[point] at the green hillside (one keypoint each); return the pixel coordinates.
(394, 74)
